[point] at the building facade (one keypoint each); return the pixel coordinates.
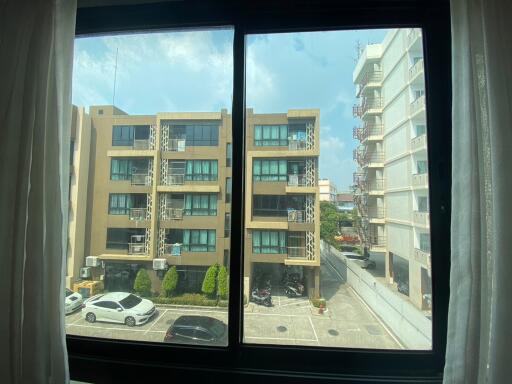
(159, 194)
(345, 202)
(328, 190)
(391, 182)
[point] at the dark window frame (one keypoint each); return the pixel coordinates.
(96, 359)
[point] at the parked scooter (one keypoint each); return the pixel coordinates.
(294, 289)
(261, 299)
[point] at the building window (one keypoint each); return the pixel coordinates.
(229, 154)
(227, 224)
(423, 204)
(269, 242)
(196, 135)
(121, 203)
(201, 170)
(270, 135)
(270, 170)
(121, 238)
(276, 205)
(124, 168)
(422, 167)
(200, 204)
(425, 242)
(122, 135)
(228, 190)
(199, 240)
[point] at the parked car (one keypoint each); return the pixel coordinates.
(118, 307)
(73, 301)
(201, 330)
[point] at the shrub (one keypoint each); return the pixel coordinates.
(142, 284)
(170, 282)
(210, 280)
(186, 299)
(316, 302)
(223, 303)
(222, 283)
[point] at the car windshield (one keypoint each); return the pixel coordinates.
(69, 292)
(217, 328)
(130, 301)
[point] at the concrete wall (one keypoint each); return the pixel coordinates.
(408, 323)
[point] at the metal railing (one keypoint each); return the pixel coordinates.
(138, 213)
(421, 218)
(367, 104)
(369, 77)
(377, 240)
(136, 248)
(296, 216)
(357, 133)
(420, 180)
(172, 249)
(375, 185)
(173, 214)
(417, 104)
(297, 180)
(297, 145)
(296, 252)
(176, 145)
(141, 144)
(416, 69)
(176, 179)
(419, 142)
(141, 179)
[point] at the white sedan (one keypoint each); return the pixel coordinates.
(73, 301)
(118, 307)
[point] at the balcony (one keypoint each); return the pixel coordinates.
(141, 144)
(172, 249)
(370, 78)
(368, 132)
(176, 145)
(373, 159)
(139, 214)
(417, 105)
(172, 214)
(297, 145)
(416, 69)
(422, 255)
(136, 248)
(297, 180)
(176, 179)
(420, 180)
(376, 213)
(368, 105)
(375, 186)
(419, 142)
(421, 218)
(141, 179)
(377, 243)
(296, 216)
(296, 252)
(357, 133)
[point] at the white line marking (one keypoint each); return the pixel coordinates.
(313, 327)
(116, 329)
(277, 338)
(273, 314)
(156, 321)
(378, 319)
(193, 310)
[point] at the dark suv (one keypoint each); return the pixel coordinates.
(202, 330)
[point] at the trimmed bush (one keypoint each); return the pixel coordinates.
(186, 299)
(316, 303)
(223, 303)
(223, 283)
(170, 282)
(142, 284)
(210, 281)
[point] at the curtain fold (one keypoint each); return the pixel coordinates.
(479, 332)
(36, 46)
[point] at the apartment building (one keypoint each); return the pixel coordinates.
(282, 201)
(391, 183)
(328, 190)
(159, 194)
(345, 202)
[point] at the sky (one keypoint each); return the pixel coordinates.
(193, 71)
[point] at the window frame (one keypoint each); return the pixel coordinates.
(96, 359)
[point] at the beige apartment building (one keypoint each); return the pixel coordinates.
(391, 183)
(328, 190)
(158, 194)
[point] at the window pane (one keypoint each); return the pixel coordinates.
(338, 222)
(147, 182)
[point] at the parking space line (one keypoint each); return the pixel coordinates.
(191, 310)
(272, 314)
(156, 321)
(313, 327)
(277, 338)
(114, 328)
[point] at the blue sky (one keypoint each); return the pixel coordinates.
(192, 71)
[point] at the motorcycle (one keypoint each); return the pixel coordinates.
(294, 289)
(261, 299)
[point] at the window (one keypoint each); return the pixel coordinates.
(421, 166)
(270, 170)
(229, 154)
(199, 240)
(121, 203)
(227, 226)
(196, 135)
(122, 135)
(269, 242)
(270, 135)
(124, 168)
(228, 190)
(120, 238)
(200, 204)
(276, 205)
(201, 170)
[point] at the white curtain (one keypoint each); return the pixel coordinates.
(36, 51)
(480, 312)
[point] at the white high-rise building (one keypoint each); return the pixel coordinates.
(391, 183)
(328, 190)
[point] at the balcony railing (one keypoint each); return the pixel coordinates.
(172, 249)
(296, 252)
(296, 216)
(422, 256)
(367, 104)
(376, 212)
(173, 214)
(141, 179)
(416, 69)
(176, 179)
(420, 180)
(136, 248)
(364, 158)
(141, 144)
(138, 213)
(375, 185)
(177, 145)
(419, 142)
(297, 145)
(417, 105)
(421, 218)
(297, 180)
(369, 77)
(377, 240)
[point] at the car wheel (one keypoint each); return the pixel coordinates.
(90, 317)
(129, 321)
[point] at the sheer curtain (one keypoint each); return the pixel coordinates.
(480, 312)
(36, 47)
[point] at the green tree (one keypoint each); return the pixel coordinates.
(142, 283)
(210, 280)
(170, 282)
(223, 283)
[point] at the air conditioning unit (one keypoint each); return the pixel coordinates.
(159, 264)
(92, 261)
(85, 273)
(102, 277)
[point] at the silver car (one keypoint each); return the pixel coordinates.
(118, 307)
(73, 301)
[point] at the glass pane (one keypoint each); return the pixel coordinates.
(152, 145)
(337, 243)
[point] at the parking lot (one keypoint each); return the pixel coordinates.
(348, 322)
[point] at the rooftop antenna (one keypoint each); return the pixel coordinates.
(115, 76)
